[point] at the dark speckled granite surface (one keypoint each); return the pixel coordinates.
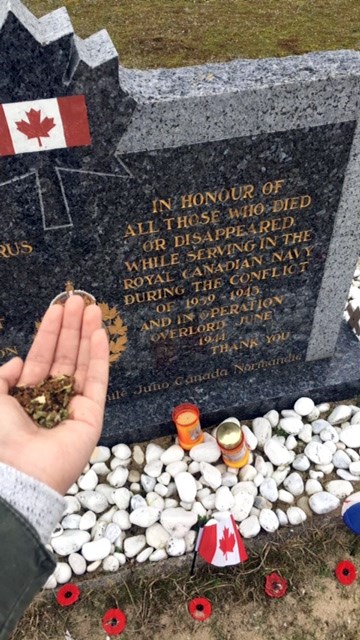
(221, 264)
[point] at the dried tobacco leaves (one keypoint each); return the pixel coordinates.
(47, 403)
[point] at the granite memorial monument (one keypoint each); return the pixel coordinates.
(212, 211)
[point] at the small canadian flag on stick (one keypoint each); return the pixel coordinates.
(219, 543)
(42, 125)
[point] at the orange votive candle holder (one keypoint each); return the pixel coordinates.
(187, 421)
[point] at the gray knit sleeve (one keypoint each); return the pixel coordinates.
(38, 503)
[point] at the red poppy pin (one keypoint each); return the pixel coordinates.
(68, 594)
(275, 586)
(200, 609)
(345, 572)
(114, 622)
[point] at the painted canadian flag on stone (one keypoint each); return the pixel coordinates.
(42, 125)
(219, 543)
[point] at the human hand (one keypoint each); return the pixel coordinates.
(70, 341)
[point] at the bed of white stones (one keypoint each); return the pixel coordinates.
(139, 503)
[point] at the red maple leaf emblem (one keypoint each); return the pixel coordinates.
(36, 128)
(227, 542)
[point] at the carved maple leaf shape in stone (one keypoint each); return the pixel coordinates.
(227, 542)
(36, 128)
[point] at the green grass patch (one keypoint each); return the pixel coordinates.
(170, 33)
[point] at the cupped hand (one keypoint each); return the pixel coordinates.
(70, 341)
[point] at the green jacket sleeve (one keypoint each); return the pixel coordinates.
(25, 566)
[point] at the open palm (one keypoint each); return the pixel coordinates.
(70, 341)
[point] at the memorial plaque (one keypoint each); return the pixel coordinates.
(213, 213)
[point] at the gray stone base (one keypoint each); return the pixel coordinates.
(245, 396)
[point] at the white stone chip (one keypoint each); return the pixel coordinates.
(301, 462)
(224, 499)
(173, 454)
(211, 475)
(144, 555)
(341, 460)
(250, 527)
(313, 486)
(304, 406)
(118, 477)
(277, 453)
(153, 468)
(77, 563)
(340, 414)
(318, 453)
(295, 515)
(87, 521)
(138, 455)
(176, 547)
(273, 417)
(286, 496)
(96, 550)
(205, 452)
(158, 554)
(177, 521)
(268, 520)
(133, 545)
(248, 472)
(323, 502)
(153, 452)
(62, 573)
(250, 437)
(350, 436)
(339, 488)
(268, 489)
(305, 434)
(122, 497)
(121, 451)
(242, 507)
(186, 486)
(144, 516)
(291, 426)
(69, 542)
(100, 454)
(262, 430)
(282, 517)
(294, 484)
(111, 563)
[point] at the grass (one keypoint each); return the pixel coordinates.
(153, 602)
(170, 33)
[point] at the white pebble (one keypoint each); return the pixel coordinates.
(262, 430)
(144, 516)
(173, 454)
(339, 488)
(250, 437)
(286, 496)
(250, 527)
(118, 477)
(268, 489)
(313, 486)
(301, 462)
(122, 497)
(294, 483)
(211, 475)
(153, 468)
(69, 542)
(100, 454)
(153, 452)
(291, 426)
(304, 406)
(323, 502)
(205, 452)
(111, 563)
(77, 563)
(96, 550)
(268, 520)
(62, 573)
(175, 547)
(340, 414)
(133, 545)
(318, 453)
(138, 455)
(186, 486)
(87, 521)
(295, 515)
(224, 499)
(121, 451)
(305, 434)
